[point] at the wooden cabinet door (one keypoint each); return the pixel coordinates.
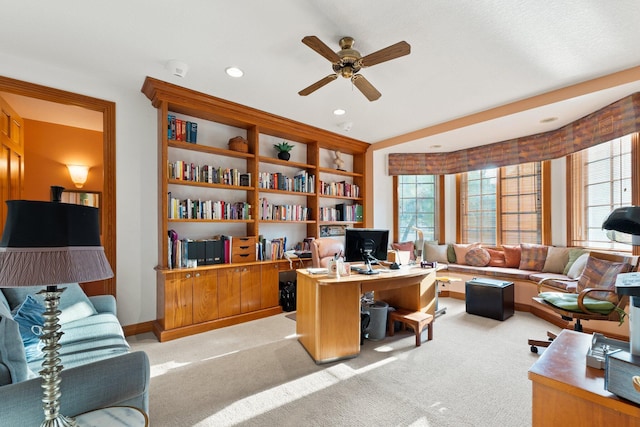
(250, 288)
(178, 299)
(269, 289)
(205, 296)
(229, 291)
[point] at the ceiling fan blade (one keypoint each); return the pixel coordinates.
(388, 53)
(318, 45)
(365, 87)
(317, 85)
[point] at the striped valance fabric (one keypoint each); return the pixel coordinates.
(613, 121)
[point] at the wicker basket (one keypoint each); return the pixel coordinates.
(238, 143)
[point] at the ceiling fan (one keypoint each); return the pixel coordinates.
(347, 62)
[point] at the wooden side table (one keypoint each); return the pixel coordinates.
(114, 416)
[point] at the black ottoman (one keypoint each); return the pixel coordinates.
(489, 298)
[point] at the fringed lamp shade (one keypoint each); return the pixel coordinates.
(46, 243)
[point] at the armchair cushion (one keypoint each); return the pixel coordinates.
(600, 273)
(569, 302)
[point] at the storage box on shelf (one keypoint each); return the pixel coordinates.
(208, 189)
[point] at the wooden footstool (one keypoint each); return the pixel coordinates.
(416, 319)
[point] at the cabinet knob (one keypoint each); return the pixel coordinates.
(197, 274)
(188, 276)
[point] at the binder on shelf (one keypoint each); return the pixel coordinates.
(214, 251)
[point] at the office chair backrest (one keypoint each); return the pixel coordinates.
(323, 249)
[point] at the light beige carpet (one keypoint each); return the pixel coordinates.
(473, 373)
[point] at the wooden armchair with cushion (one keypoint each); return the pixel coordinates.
(323, 249)
(595, 297)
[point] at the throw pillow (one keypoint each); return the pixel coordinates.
(512, 255)
(405, 246)
(28, 315)
(602, 274)
(461, 250)
(497, 258)
(74, 303)
(578, 266)
(533, 256)
(477, 257)
(435, 253)
(556, 260)
(574, 254)
(451, 254)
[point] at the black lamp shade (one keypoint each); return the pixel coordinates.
(48, 243)
(625, 220)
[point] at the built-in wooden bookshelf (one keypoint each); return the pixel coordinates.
(192, 300)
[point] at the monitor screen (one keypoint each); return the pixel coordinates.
(362, 241)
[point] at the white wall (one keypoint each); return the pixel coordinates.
(383, 187)
(136, 179)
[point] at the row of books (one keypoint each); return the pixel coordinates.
(184, 171)
(269, 211)
(341, 212)
(302, 182)
(207, 209)
(349, 213)
(273, 249)
(341, 188)
(182, 130)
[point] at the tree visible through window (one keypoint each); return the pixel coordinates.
(478, 206)
(417, 201)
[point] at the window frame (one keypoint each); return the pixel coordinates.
(439, 233)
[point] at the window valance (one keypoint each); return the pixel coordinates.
(613, 121)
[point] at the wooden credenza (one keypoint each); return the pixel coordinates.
(328, 309)
(567, 392)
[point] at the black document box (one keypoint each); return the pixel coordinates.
(489, 298)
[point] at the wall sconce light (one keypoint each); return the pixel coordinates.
(78, 174)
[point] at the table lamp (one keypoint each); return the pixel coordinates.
(51, 243)
(624, 226)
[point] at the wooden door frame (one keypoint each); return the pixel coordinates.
(108, 110)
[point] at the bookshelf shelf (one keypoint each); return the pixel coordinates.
(194, 300)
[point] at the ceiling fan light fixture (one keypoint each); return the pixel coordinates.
(234, 72)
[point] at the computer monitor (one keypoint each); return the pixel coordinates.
(366, 244)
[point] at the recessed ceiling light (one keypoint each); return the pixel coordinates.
(339, 112)
(436, 146)
(549, 120)
(234, 72)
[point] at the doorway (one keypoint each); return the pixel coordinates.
(108, 202)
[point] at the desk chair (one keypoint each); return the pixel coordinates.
(323, 249)
(595, 299)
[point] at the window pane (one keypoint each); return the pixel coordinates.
(417, 206)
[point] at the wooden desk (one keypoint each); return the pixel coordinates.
(328, 309)
(567, 392)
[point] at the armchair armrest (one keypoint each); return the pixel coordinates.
(104, 304)
(120, 380)
(585, 293)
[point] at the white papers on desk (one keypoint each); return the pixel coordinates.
(317, 270)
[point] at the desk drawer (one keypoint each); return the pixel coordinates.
(243, 249)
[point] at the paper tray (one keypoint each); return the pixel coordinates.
(600, 346)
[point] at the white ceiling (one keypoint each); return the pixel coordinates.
(467, 56)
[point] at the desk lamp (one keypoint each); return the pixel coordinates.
(51, 243)
(624, 226)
